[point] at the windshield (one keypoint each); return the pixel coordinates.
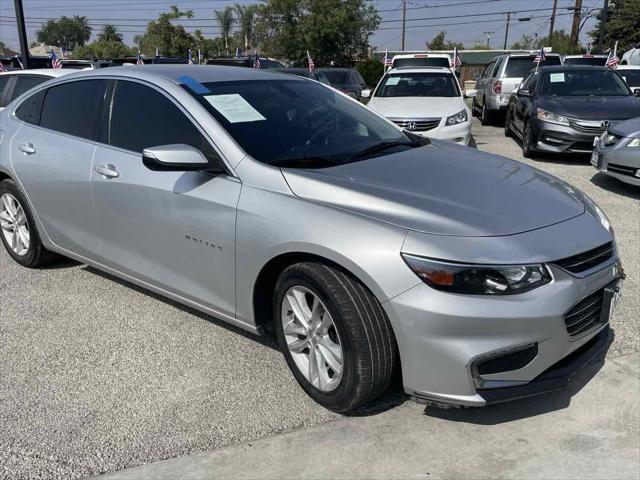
(422, 62)
(583, 83)
(285, 121)
(595, 61)
(419, 84)
(520, 66)
(632, 77)
(338, 77)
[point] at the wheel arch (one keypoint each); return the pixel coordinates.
(263, 289)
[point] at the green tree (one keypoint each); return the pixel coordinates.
(66, 32)
(438, 43)
(246, 18)
(332, 30)
(103, 49)
(172, 40)
(226, 20)
(480, 46)
(560, 42)
(527, 42)
(371, 70)
(110, 34)
(622, 25)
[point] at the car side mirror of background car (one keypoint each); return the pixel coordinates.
(470, 92)
(476, 76)
(366, 93)
(524, 92)
(174, 158)
(637, 92)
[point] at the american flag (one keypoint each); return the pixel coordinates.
(456, 61)
(312, 65)
(139, 61)
(55, 61)
(256, 60)
(612, 59)
(540, 57)
(3, 68)
(190, 58)
(387, 61)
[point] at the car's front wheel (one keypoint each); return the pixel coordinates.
(485, 115)
(507, 124)
(18, 228)
(334, 334)
(527, 147)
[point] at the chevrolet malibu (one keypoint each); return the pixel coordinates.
(284, 207)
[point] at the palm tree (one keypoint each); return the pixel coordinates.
(226, 20)
(110, 34)
(84, 28)
(246, 17)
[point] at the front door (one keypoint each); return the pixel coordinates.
(174, 230)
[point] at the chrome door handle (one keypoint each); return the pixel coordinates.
(108, 171)
(27, 148)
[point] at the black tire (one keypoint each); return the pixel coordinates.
(36, 255)
(474, 108)
(370, 354)
(485, 115)
(507, 124)
(527, 148)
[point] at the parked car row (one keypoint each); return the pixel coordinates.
(278, 204)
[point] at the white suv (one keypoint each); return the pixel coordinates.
(427, 101)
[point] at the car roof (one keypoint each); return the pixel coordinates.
(566, 68)
(585, 55)
(49, 72)
(422, 55)
(628, 67)
(199, 73)
(337, 69)
(418, 69)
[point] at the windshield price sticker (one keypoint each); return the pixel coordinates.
(391, 81)
(556, 77)
(234, 108)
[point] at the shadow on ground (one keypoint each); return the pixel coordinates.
(614, 185)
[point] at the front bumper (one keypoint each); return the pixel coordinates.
(618, 161)
(460, 134)
(550, 137)
(443, 338)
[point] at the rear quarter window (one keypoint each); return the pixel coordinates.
(4, 83)
(29, 111)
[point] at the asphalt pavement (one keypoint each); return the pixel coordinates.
(97, 375)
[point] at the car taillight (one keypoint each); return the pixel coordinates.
(497, 86)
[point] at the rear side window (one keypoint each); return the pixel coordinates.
(488, 69)
(29, 110)
(142, 117)
(4, 83)
(25, 83)
(497, 66)
(74, 108)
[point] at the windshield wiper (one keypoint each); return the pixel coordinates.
(379, 147)
(305, 162)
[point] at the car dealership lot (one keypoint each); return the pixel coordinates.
(97, 375)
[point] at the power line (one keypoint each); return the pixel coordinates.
(473, 15)
(441, 5)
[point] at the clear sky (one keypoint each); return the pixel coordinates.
(467, 22)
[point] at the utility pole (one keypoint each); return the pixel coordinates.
(22, 33)
(553, 19)
(404, 20)
(575, 27)
(506, 31)
(603, 26)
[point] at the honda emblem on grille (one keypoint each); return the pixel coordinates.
(605, 123)
(411, 126)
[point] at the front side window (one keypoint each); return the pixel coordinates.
(25, 83)
(75, 108)
(419, 84)
(277, 121)
(583, 83)
(142, 117)
(4, 83)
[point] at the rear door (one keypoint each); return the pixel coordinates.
(52, 156)
(481, 84)
(174, 230)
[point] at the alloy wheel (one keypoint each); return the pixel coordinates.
(312, 338)
(14, 225)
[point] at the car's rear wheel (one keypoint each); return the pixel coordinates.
(527, 147)
(334, 334)
(18, 229)
(485, 115)
(507, 124)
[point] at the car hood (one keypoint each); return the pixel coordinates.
(443, 189)
(416, 107)
(593, 108)
(630, 128)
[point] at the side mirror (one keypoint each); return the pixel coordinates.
(174, 158)
(476, 76)
(637, 92)
(470, 92)
(366, 93)
(524, 92)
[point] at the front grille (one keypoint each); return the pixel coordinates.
(586, 260)
(417, 125)
(592, 127)
(621, 169)
(582, 146)
(585, 315)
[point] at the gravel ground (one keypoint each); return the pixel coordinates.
(97, 375)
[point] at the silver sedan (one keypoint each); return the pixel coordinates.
(617, 152)
(286, 208)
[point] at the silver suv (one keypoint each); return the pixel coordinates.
(501, 77)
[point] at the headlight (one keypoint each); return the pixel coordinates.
(634, 143)
(596, 212)
(551, 117)
(459, 117)
(478, 279)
